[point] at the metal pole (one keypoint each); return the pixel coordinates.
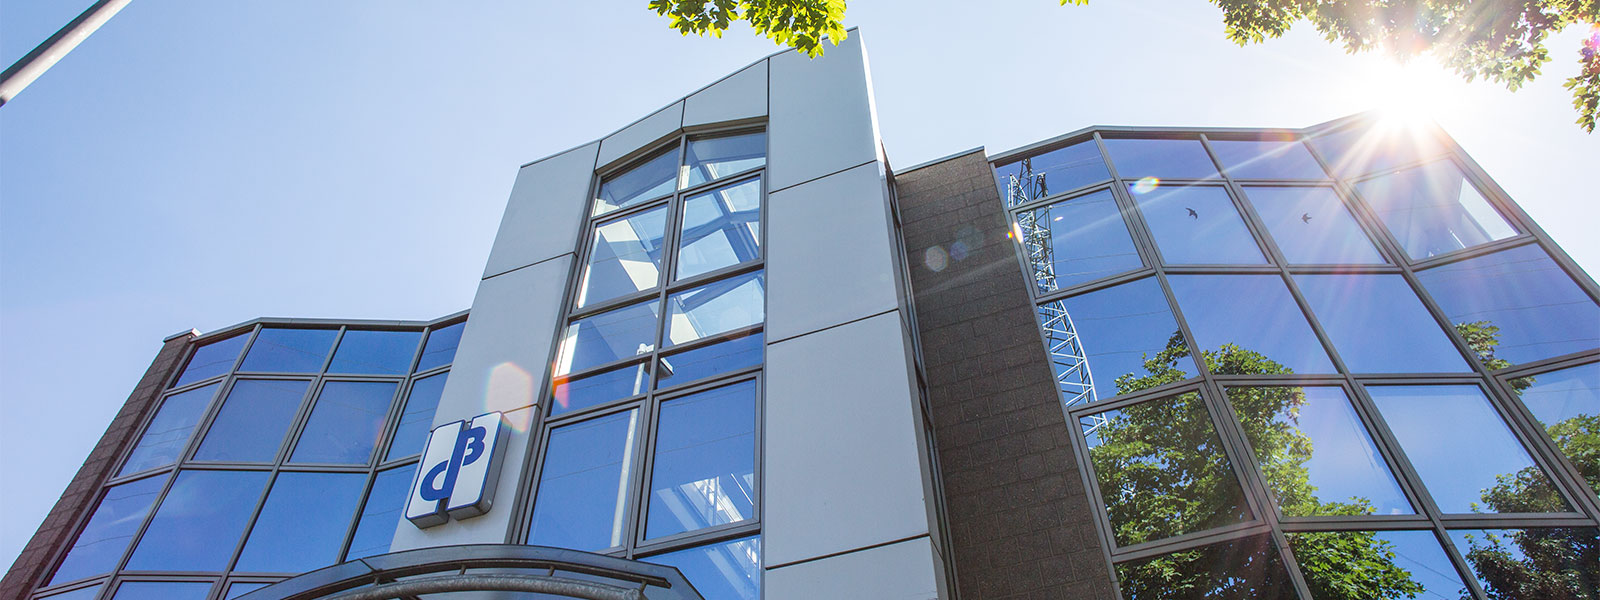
(38, 61)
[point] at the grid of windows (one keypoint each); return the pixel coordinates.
(276, 450)
(651, 437)
(1286, 383)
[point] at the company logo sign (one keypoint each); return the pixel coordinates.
(460, 467)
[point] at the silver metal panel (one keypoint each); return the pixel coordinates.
(822, 120)
(906, 570)
(644, 132)
(547, 203)
(741, 95)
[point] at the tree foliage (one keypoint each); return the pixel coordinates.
(799, 24)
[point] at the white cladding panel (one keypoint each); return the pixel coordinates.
(821, 117)
(542, 216)
(648, 130)
(908, 570)
(742, 95)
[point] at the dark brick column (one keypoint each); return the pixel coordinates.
(61, 524)
(1019, 516)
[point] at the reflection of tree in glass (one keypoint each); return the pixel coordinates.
(1482, 337)
(1549, 564)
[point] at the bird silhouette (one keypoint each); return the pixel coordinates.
(1305, 218)
(1192, 213)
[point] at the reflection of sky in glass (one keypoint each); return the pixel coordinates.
(115, 520)
(417, 417)
(625, 257)
(1417, 553)
(167, 433)
(88, 593)
(441, 346)
(289, 350)
(212, 359)
(583, 485)
(1255, 313)
(1567, 404)
(204, 511)
(653, 178)
(1433, 209)
(236, 590)
(380, 516)
(1236, 569)
(1083, 239)
(1311, 226)
(600, 388)
(717, 307)
(1261, 159)
(253, 420)
(1198, 226)
(162, 590)
(608, 336)
(1538, 309)
(709, 360)
(379, 352)
(1164, 159)
(1562, 561)
(704, 469)
(721, 228)
(728, 570)
(1378, 325)
(710, 159)
(345, 423)
(302, 523)
(1357, 150)
(1057, 171)
(1118, 329)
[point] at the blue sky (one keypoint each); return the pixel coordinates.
(196, 164)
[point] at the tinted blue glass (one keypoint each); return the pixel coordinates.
(600, 388)
(704, 471)
(1240, 569)
(706, 361)
(381, 514)
(1261, 159)
(713, 158)
(1053, 172)
(212, 359)
(1311, 226)
(163, 590)
(1516, 306)
(1365, 148)
(88, 593)
(1411, 559)
(1077, 241)
(169, 431)
(441, 346)
(1197, 226)
(346, 422)
(1567, 404)
(728, 570)
(1378, 325)
(289, 350)
(625, 257)
(110, 528)
(717, 307)
(239, 589)
(1164, 159)
(581, 500)
(1550, 562)
(417, 417)
(608, 336)
(721, 228)
(203, 512)
(253, 419)
(376, 352)
(1433, 209)
(655, 177)
(1252, 316)
(1119, 329)
(302, 523)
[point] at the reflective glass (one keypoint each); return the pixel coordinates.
(1514, 306)
(713, 158)
(710, 360)
(345, 423)
(1197, 226)
(704, 471)
(655, 177)
(721, 228)
(1245, 569)
(1471, 462)
(1312, 227)
(728, 570)
(417, 416)
(581, 501)
(212, 359)
(1365, 149)
(608, 336)
(239, 589)
(1376, 565)
(375, 352)
(1433, 209)
(204, 513)
(1314, 453)
(1077, 241)
(1053, 172)
(1126, 338)
(113, 524)
(441, 347)
(1161, 470)
(167, 433)
(88, 593)
(1567, 404)
(1162, 159)
(289, 350)
(716, 307)
(163, 590)
(1378, 325)
(253, 419)
(1546, 563)
(624, 258)
(1248, 325)
(600, 388)
(380, 516)
(1266, 159)
(302, 524)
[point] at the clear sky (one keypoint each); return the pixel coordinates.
(199, 163)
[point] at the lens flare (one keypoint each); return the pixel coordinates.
(1146, 185)
(935, 259)
(510, 387)
(958, 250)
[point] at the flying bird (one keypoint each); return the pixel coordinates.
(1193, 214)
(1305, 218)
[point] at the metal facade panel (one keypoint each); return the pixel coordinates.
(821, 119)
(644, 132)
(547, 202)
(907, 570)
(742, 95)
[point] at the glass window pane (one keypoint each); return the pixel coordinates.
(253, 419)
(708, 361)
(1162, 159)
(1312, 227)
(1472, 464)
(212, 359)
(416, 419)
(721, 228)
(716, 307)
(88, 593)
(600, 388)
(728, 570)
(1115, 341)
(169, 431)
(203, 512)
(1365, 149)
(1077, 241)
(163, 590)
(113, 524)
(1197, 226)
(239, 589)
(655, 177)
(710, 159)
(1567, 404)
(1533, 563)
(704, 470)
(1314, 453)
(1266, 159)
(1053, 172)
(302, 524)
(1433, 209)
(608, 336)
(1376, 565)
(441, 346)
(376, 352)
(1235, 570)
(625, 257)
(1378, 325)
(1268, 335)
(583, 486)
(1161, 470)
(289, 350)
(345, 423)
(381, 515)
(1515, 306)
